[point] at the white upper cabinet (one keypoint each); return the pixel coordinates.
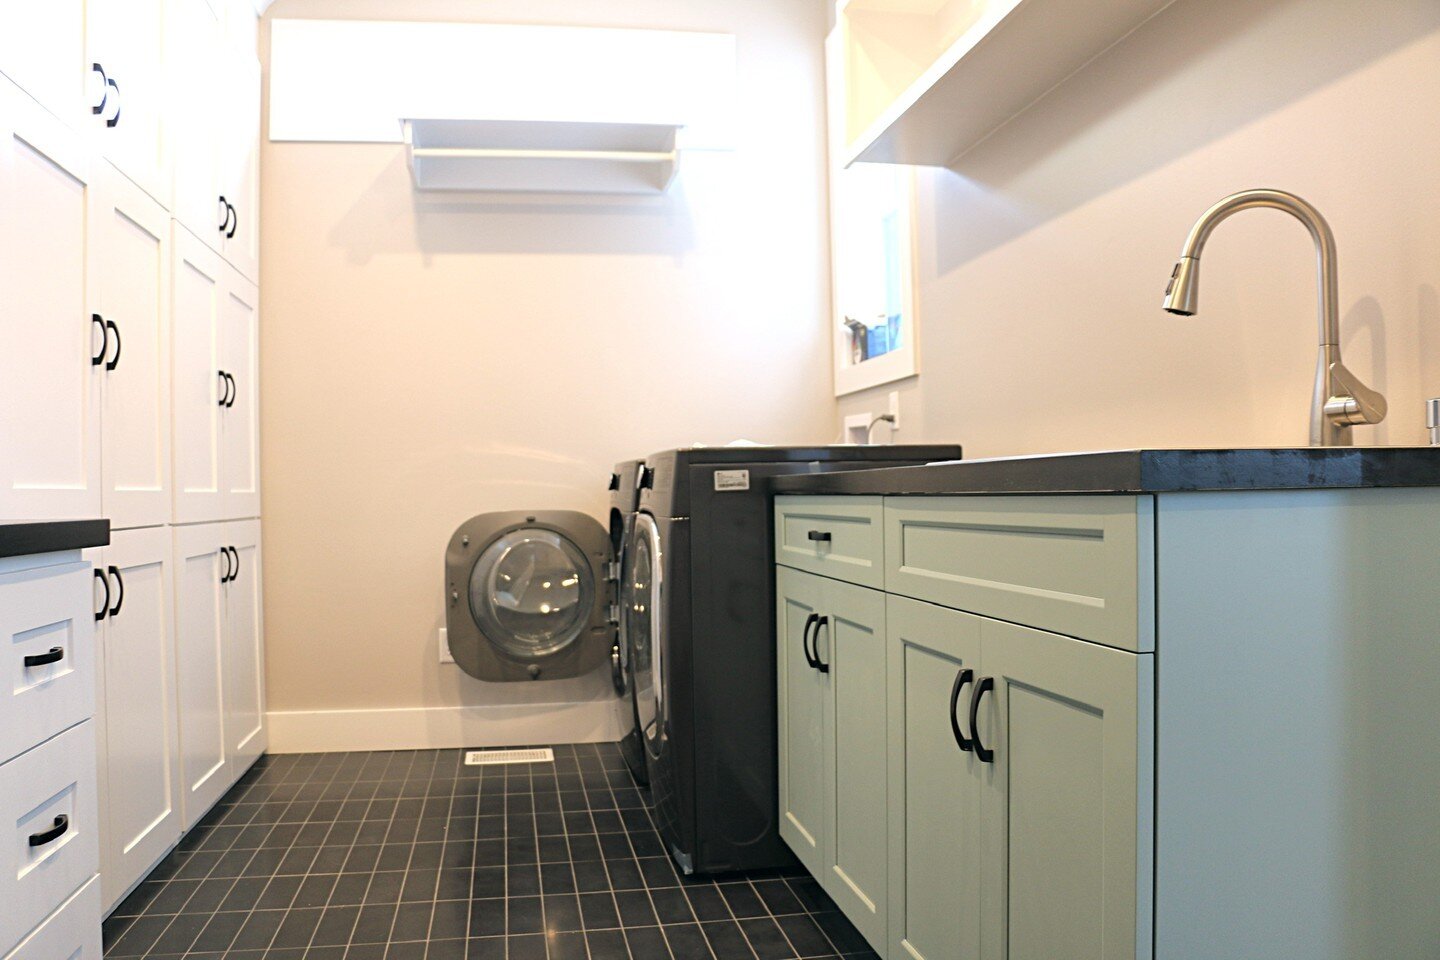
(50, 390)
(240, 428)
(238, 163)
(199, 386)
(133, 235)
(42, 48)
(127, 81)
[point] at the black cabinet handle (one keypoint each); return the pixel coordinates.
(225, 216)
(234, 221)
(819, 536)
(62, 823)
(234, 391)
(110, 328)
(104, 607)
(614, 482)
(235, 570)
(805, 640)
(111, 123)
(819, 664)
(99, 358)
(224, 385)
(119, 582)
(54, 655)
(963, 677)
(99, 108)
(985, 754)
(225, 577)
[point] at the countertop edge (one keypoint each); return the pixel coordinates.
(26, 538)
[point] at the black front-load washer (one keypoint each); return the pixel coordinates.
(698, 605)
(624, 499)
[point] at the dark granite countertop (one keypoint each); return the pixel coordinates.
(49, 536)
(1142, 471)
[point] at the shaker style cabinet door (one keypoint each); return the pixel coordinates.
(196, 71)
(199, 384)
(138, 735)
(127, 52)
(42, 49)
(240, 416)
(802, 709)
(1067, 839)
(200, 660)
(55, 350)
(239, 160)
(935, 782)
(244, 665)
(132, 233)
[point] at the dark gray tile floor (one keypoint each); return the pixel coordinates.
(414, 856)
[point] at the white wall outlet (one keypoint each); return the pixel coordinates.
(894, 410)
(445, 655)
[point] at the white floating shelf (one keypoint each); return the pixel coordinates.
(550, 156)
(926, 80)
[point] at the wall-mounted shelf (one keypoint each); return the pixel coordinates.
(541, 155)
(926, 80)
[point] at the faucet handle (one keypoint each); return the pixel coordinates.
(1351, 402)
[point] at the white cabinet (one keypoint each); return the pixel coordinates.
(138, 733)
(219, 659)
(50, 390)
(132, 233)
(126, 44)
(238, 160)
(240, 417)
(42, 48)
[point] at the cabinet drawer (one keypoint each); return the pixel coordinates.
(53, 781)
(1081, 566)
(47, 619)
(71, 933)
(838, 537)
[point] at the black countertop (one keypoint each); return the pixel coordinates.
(1142, 471)
(49, 536)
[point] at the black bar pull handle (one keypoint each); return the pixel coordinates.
(963, 677)
(62, 823)
(110, 328)
(99, 358)
(805, 640)
(235, 570)
(819, 536)
(224, 385)
(225, 577)
(54, 655)
(113, 121)
(114, 571)
(104, 607)
(99, 108)
(234, 391)
(225, 215)
(985, 754)
(820, 665)
(234, 221)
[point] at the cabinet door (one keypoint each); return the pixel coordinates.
(139, 744)
(934, 782)
(49, 381)
(1066, 834)
(240, 426)
(126, 38)
(198, 280)
(42, 49)
(238, 161)
(195, 62)
(803, 695)
(244, 666)
(199, 665)
(133, 265)
(850, 641)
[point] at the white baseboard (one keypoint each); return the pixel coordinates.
(434, 728)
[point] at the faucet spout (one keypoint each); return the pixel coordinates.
(1340, 400)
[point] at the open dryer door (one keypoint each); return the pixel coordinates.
(526, 596)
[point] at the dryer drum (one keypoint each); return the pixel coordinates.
(526, 595)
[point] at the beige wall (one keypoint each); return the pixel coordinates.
(427, 359)
(1042, 261)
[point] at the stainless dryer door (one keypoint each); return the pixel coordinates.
(642, 613)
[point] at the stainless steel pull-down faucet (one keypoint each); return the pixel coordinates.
(1340, 400)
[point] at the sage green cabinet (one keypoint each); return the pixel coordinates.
(833, 740)
(1018, 762)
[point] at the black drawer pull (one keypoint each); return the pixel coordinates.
(819, 536)
(54, 655)
(62, 823)
(985, 754)
(961, 678)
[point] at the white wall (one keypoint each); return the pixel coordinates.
(427, 358)
(1044, 258)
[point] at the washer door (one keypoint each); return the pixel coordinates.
(642, 615)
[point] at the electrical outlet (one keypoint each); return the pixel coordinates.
(445, 655)
(894, 410)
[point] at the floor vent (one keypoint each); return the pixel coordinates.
(485, 758)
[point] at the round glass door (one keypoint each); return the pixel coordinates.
(641, 601)
(531, 592)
